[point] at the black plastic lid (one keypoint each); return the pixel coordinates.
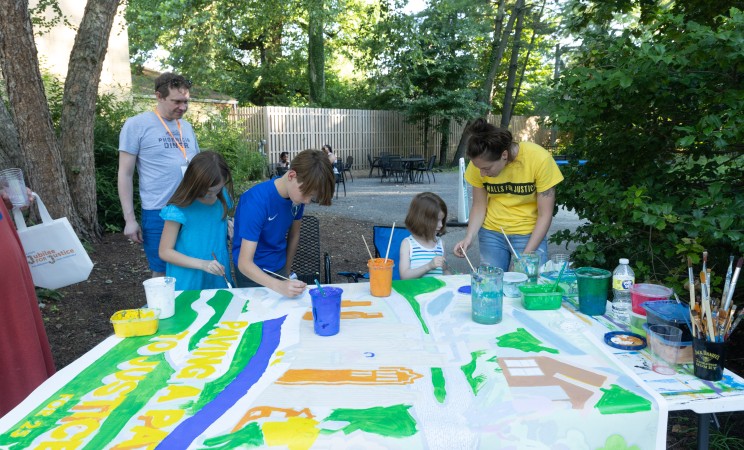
(625, 340)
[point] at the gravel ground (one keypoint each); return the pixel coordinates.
(384, 202)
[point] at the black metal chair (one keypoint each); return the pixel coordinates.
(339, 173)
(307, 260)
(375, 163)
(427, 169)
(394, 168)
(347, 167)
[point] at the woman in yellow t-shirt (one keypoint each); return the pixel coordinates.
(514, 189)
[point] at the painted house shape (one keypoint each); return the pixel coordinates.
(579, 385)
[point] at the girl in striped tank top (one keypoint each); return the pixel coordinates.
(422, 253)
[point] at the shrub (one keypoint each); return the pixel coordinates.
(660, 117)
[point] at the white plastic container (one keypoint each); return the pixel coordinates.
(160, 293)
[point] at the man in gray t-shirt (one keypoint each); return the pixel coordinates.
(160, 145)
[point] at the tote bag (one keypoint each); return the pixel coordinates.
(53, 251)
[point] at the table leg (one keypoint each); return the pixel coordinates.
(703, 431)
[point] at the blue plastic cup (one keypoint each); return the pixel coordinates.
(326, 310)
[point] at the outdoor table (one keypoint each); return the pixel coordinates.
(410, 164)
(243, 367)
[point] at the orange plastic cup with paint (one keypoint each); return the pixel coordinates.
(380, 276)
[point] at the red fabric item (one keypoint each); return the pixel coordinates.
(25, 357)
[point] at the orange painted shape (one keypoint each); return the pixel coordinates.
(384, 375)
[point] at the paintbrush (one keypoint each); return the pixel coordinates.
(736, 323)
(727, 323)
(516, 255)
(224, 275)
(707, 273)
(727, 283)
(467, 259)
(734, 279)
(275, 274)
(691, 280)
(707, 313)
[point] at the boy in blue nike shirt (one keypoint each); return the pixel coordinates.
(268, 218)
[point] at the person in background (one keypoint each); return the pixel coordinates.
(329, 152)
(25, 357)
(268, 219)
(197, 227)
(160, 145)
(422, 253)
(513, 189)
(283, 165)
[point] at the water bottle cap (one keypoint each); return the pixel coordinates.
(624, 261)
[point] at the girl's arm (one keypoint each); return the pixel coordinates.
(404, 263)
(169, 254)
(545, 205)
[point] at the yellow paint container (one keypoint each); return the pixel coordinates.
(135, 322)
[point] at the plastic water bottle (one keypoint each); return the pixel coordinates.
(622, 279)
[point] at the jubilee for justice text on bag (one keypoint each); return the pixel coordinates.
(53, 251)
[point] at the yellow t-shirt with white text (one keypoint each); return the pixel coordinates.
(512, 195)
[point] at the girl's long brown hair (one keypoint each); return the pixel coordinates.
(207, 169)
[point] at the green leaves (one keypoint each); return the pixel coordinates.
(661, 121)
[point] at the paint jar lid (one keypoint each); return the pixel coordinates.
(625, 340)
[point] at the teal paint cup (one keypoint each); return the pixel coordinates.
(486, 290)
(594, 286)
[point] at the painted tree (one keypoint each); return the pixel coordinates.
(60, 167)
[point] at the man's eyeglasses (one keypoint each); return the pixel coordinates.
(174, 83)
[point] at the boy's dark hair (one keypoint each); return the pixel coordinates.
(204, 171)
(315, 175)
(488, 141)
(423, 215)
(168, 80)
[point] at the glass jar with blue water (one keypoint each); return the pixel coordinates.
(486, 285)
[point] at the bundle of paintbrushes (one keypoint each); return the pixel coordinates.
(712, 319)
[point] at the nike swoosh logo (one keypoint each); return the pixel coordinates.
(273, 217)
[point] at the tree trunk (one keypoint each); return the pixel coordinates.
(10, 147)
(78, 109)
(498, 46)
(30, 110)
(513, 65)
(531, 46)
(444, 144)
(316, 52)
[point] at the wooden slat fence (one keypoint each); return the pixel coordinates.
(358, 132)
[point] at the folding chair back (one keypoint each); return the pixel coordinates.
(307, 261)
(381, 237)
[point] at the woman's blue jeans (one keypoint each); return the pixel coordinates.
(495, 251)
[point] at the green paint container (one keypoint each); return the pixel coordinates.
(540, 296)
(594, 286)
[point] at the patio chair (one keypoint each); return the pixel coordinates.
(340, 176)
(393, 168)
(375, 163)
(307, 260)
(347, 166)
(427, 169)
(381, 237)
